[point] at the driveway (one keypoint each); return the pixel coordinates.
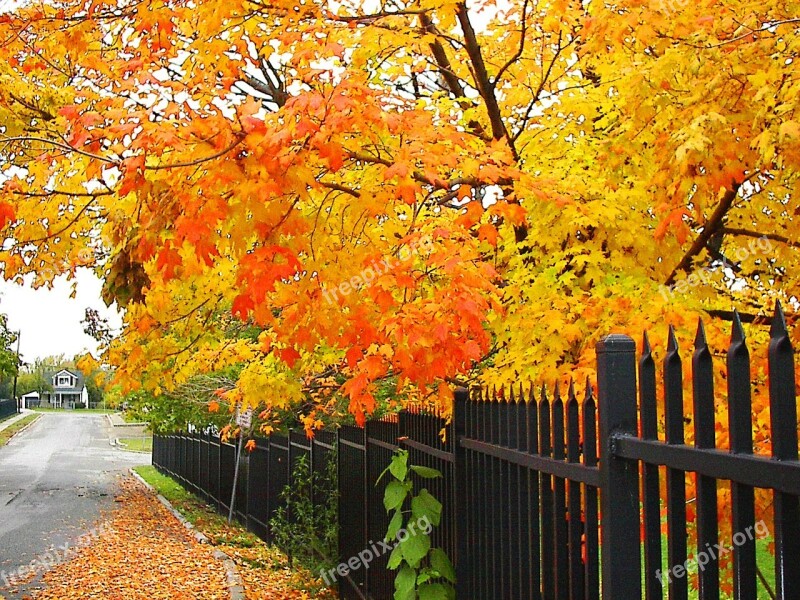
(55, 480)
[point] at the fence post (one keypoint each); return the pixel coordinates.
(462, 565)
(619, 479)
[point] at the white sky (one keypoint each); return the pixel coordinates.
(50, 321)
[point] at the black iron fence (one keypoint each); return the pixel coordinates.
(7, 408)
(534, 506)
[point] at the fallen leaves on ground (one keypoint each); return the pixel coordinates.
(265, 570)
(144, 553)
(268, 576)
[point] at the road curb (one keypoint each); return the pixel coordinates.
(16, 433)
(235, 583)
(26, 426)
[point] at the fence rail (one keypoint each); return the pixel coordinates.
(530, 480)
(7, 408)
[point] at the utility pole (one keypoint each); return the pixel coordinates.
(16, 371)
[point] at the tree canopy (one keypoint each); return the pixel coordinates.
(330, 195)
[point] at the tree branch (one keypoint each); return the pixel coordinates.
(520, 50)
(711, 227)
(770, 236)
(59, 145)
(482, 82)
(757, 319)
(192, 163)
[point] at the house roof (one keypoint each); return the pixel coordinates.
(77, 388)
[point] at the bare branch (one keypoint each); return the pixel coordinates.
(520, 50)
(770, 236)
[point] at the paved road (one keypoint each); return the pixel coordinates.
(55, 480)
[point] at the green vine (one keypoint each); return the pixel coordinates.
(423, 572)
(306, 526)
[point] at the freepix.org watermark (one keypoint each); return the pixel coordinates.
(48, 560)
(378, 268)
(702, 558)
(375, 550)
(760, 245)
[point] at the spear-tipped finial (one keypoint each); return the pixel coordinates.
(778, 328)
(646, 349)
(700, 338)
(589, 391)
(672, 343)
(737, 334)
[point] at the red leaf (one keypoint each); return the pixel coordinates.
(6, 214)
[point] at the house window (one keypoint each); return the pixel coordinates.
(64, 381)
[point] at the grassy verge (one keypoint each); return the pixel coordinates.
(197, 512)
(94, 411)
(9, 432)
(3, 420)
(137, 444)
(264, 569)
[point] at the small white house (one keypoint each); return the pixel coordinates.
(69, 390)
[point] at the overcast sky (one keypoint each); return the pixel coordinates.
(50, 321)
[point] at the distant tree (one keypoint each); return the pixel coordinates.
(32, 381)
(94, 387)
(8, 357)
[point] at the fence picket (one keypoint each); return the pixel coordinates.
(651, 494)
(591, 527)
(676, 478)
(740, 426)
(704, 437)
(561, 547)
(535, 536)
(574, 521)
(783, 417)
(546, 491)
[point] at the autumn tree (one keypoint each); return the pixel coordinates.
(330, 196)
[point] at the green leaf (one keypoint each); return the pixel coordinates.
(426, 575)
(409, 595)
(384, 472)
(425, 506)
(406, 580)
(442, 564)
(395, 495)
(395, 558)
(433, 591)
(394, 525)
(399, 465)
(426, 472)
(415, 548)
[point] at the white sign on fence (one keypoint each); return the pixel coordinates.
(244, 419)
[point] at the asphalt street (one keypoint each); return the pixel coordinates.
(56, 479)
